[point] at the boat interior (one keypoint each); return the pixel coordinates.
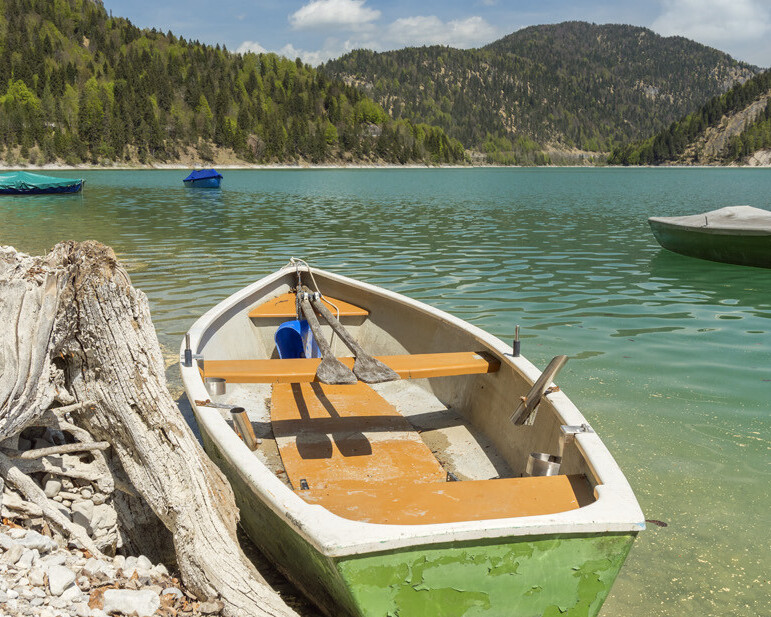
(435, 446)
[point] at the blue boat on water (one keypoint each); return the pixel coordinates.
(204, 179)
(25, 183)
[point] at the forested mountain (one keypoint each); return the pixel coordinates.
(78, 85)
(729, 128)
(565, 86)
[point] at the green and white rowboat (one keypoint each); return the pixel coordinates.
(408, 498)
(735, 235)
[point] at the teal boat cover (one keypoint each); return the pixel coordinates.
(23, 182)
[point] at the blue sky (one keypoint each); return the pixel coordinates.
(317, 30)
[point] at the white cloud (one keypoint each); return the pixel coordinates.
(354, 16)
(715, 22)
(430, 30)
(252, 46)
(333, 14)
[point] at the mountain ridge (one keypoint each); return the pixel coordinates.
(83, 86)
(569, 85)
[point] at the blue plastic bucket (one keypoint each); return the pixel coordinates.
(294, 339)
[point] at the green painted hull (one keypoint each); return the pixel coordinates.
(557, 575)
(733, 248)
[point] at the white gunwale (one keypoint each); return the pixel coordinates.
(615, 510)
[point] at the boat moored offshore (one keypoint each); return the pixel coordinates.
(204, 179)
(26, 183)
(736, 235)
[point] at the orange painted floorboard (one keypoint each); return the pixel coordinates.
(449, 502)
(362, 460)
(349, 434)
(284, 306)
(297, 370)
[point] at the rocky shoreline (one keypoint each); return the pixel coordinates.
(39, 577)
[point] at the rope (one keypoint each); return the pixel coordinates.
(296, 261)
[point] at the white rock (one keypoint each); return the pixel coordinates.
(86, 493)
(98, 612)
(82, 513)
(82, 610)
(52, 488)
(160, 570)
(131, 563)
(139, 603)
(59, 578)
(92, 567)
(28, 558)
(6, 542)
(36, 577)
(72, 594)
(12, 594)
(119, 561)
(17, 533)
(54, 559)
(33, 539)
(99, 498)
(104, 517)
(13, 554)
(3, 597)
(144, 565)
(172, 591)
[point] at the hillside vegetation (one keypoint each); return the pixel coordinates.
(78, 85)
(728, 128)
(567, 86)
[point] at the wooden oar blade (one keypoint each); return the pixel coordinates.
(332, 371)
(365, 367)
(372, 370)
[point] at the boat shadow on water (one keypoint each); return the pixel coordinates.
(714, 281)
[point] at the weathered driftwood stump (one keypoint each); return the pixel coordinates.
(79, 354)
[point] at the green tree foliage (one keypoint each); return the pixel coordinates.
(670, 144)
(77, 84)
(569, 85)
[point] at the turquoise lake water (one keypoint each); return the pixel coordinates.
(670, 356)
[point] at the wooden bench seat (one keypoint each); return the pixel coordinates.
(303, 370)
(283, 306)
(449, 502)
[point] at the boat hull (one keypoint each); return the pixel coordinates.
(551, 563)
(204, 183)
(555, 574)
(725, 246)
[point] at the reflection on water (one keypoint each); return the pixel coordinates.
(670, 356)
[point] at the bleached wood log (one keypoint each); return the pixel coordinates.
(88, 337)
(68, 448)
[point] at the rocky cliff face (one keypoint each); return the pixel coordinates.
(713, 144)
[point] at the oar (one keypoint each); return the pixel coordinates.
(331, 370)
(525, 412)
(365, 367)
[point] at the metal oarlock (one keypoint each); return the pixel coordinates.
(516, 346)
(188, 351)
(244, 427)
